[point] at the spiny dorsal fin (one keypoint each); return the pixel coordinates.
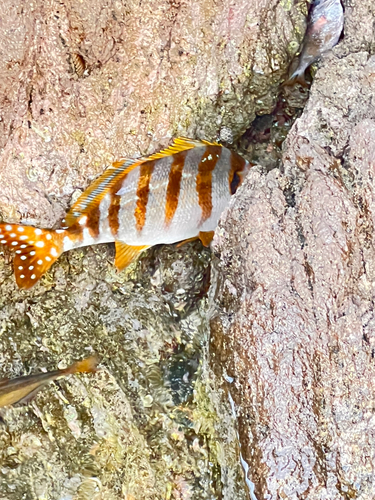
(93, 195)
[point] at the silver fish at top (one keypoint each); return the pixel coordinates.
(324, 27)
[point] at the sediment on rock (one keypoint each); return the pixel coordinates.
(292, 324)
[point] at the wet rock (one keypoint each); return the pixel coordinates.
(85, 84)
(141, 427)
(292, 323)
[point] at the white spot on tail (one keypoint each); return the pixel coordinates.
(20, 229)
(31, 268)
(8, 228)
(14, 243)
(68, 244)
(33, 276)
(48, 259)
(23, 237)
(48, 236)
(59, 231)
(23, 246)
(82, 221)
(23, 257)
(38, 231)
(20, 268)
(22, 275)
(54, 252)
(12, 235)
(39, 244)
(3, 241)
(40, 262)
(18, 251)
(32, 253)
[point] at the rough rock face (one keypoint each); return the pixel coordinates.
(84, 83)
(293, 327)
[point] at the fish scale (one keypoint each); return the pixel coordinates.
(171, 196)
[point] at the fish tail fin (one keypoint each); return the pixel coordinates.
(87, 365)
(297, 77)
(36, 250)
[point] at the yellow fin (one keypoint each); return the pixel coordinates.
(91, 198)
(206, 237)
(125, 254)
(178, 145)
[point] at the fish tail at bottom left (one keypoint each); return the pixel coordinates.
(35, 250)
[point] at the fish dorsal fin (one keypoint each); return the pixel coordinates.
(93, 195)
(178, 145)
(125, 254)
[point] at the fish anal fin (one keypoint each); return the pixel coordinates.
(125, 254)
(206, 237)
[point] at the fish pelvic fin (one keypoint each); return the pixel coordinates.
(36, 250)
(93, 195)
(125, 254)
(88, 365)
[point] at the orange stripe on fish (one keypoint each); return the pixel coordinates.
(137, 204)
(114, 208)
(204, 180)
(174, 186)
(143, 191)
(98, 189)
(92, 222)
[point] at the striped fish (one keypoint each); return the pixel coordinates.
(175, 195)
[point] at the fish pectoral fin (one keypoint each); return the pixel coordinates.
(125, 254)
(206, 237)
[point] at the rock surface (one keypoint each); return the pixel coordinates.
(293, 326)
(83, 84)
